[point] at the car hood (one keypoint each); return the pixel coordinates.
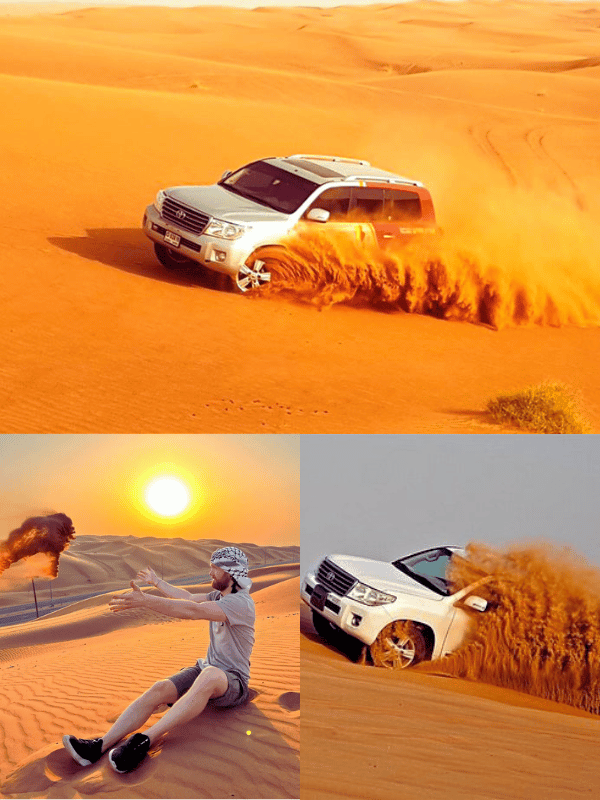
(383, 576)
(218, 202)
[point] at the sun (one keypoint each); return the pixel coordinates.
(167, 496)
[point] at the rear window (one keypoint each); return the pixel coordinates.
(400, 206)
(368, 203)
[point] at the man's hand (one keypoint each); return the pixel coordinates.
(148, 576)
(134, 599)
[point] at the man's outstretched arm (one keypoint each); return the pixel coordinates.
(149, 576)
(179, 608)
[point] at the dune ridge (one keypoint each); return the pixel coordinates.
(99, 564)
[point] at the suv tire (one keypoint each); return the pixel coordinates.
(170, 258)
(399, 645)
(266, 261)
(323, 627)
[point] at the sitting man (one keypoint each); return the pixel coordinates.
(220, 679)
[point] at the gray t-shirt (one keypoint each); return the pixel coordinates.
(231, 642)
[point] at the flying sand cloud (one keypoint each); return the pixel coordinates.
(541, 633)
(48, 535)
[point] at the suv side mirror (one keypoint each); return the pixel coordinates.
(318, 215)
(476, 603)
(226, 174)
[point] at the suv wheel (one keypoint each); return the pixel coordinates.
(323, 627)
(171, 259)
(399, 645)
(260, 269)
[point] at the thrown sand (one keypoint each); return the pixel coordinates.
(493, 105)
(79, 680)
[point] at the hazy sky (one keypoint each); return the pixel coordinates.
(244, 488)
(387, 496)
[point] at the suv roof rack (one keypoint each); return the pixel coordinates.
(382, 179)
(362, 162)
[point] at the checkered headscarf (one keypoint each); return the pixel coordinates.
(235, 562)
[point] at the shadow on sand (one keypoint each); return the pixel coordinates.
(129, 250)
(337, 641)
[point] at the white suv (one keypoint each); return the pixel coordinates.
(233, 226)
(404, 611)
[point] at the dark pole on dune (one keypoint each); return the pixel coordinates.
(37, 613)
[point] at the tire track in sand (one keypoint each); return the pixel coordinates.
(481, 134)
(535, 137)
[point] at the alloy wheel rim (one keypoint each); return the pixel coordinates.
(402, 651)
(253, 277)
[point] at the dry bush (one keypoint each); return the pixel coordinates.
(547, 408)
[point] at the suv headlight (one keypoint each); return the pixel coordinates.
(225, 230)
(370, 597)
(160, 199)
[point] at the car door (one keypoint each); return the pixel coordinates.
(337, 201)
(366, 208)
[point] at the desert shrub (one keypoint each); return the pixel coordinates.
(547, 408)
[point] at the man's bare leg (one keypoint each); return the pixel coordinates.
(139, 711)
(212, 682)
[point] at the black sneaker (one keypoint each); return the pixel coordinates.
(84, 751)
(130, 755)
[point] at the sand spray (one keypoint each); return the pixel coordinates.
(505, 257)
(541, 632)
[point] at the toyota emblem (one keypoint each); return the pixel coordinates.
(331, 577)
(180, 214)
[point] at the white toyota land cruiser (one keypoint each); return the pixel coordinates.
(404, 611)
(235, 226)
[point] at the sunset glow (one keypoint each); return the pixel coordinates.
(167, 496)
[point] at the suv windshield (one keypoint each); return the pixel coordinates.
(270, 186)
(428, 568)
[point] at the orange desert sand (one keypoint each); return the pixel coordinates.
(493, 105)
(75, 670)
(400, 735)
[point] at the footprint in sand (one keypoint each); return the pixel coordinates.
(105, 779)
(290, 701)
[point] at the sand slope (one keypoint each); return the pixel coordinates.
(494, 106)
(80, 685)
(96, 564)
(396, 733)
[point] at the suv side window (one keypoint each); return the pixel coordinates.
(336, 201)
(401, 205)
(367, 203)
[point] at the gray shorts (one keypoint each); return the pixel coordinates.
(236, 693)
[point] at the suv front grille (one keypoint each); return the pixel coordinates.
(334, 578)
(184, 216)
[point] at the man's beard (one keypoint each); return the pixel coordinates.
(220, 584)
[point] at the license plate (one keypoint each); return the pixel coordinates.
(318, 597)
(172, 239)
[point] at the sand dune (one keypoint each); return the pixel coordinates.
(395, 733)
(103, 660)
(106, 563)
(492, 105)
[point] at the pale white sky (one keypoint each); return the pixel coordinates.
(384, 497)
